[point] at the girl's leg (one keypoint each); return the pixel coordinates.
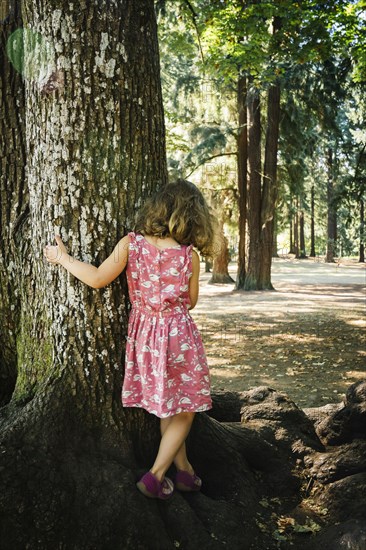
(180, 460)
(175, 433)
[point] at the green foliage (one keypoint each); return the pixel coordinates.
(350, 33)
(317, 55)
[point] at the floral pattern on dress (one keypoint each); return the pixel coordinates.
(166, 370)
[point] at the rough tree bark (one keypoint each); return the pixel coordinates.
(14, 207)
(85, 144)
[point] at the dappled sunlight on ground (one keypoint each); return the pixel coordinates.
(304, 338)
(357, 322)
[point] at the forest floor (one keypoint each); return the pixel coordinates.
(305, 338)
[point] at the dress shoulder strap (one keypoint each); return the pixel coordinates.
(133, 245)
(187, 267)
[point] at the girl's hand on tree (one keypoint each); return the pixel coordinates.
(53, 254)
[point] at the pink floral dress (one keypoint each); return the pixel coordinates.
(166, 369)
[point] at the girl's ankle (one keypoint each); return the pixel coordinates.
(186, 468)
(159, 476)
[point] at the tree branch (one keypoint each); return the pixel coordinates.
(190, 7)
(194, 15)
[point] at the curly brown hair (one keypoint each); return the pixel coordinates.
(179, 210)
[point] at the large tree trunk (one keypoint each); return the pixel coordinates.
(85, 145)
(83, 138)
(332, 214)
(254, 189)
(269, 190)
(242, 146)
(14, 207)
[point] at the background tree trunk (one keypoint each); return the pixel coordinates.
(269, 188)
(302, 235)
(312, 223)
(262, 198)
(275, 246)
(362, 231)
(220, 269)
(296, 229)
(242, 146)
(292, 244)
(332, 214)
(254, 189)
(208, 266)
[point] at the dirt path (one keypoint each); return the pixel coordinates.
(307, 338)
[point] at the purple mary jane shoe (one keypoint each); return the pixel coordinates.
(151, 487)
(184, 481)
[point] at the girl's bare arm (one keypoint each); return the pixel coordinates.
(194, 280)
(96, 277)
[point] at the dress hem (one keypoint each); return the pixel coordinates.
(202, 408)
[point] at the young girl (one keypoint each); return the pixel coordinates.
(166, 370)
